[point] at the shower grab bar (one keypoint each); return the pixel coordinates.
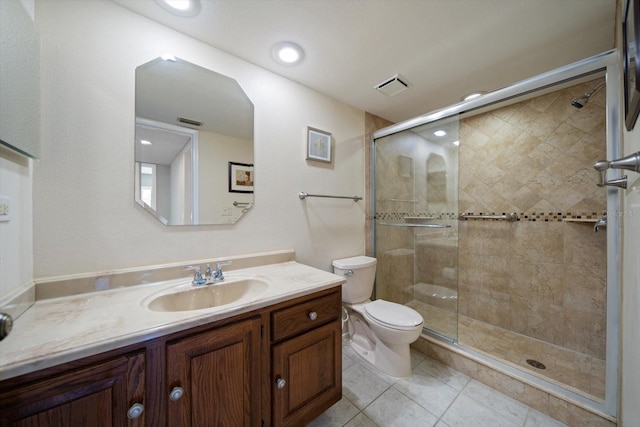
(510, 217)
(304, 195)
(395, 224)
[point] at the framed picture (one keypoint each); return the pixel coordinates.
(318, 145)
(240, 177)
(631, 38)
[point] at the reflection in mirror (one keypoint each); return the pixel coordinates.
(19, 80)
(191, 124)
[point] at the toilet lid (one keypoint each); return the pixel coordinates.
(394, 315)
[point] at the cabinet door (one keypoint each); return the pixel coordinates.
(97, 396)
(307, 375)
(218, 373)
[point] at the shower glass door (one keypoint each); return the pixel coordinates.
(486, 225)
(416, 205)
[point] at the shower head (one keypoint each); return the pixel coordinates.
(580, 101)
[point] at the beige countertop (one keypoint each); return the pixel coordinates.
(59, 330)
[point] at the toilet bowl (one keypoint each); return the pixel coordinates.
(381, 331)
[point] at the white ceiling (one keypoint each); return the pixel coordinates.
(444, 49)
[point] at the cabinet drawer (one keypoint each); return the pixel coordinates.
(299, 318)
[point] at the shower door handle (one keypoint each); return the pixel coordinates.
(630, 162)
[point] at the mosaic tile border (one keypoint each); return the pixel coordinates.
(522, 216)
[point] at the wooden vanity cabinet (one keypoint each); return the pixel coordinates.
(306, 360)
(228, 373)
(213, 378)
(96, 395)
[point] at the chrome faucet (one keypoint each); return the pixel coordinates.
(601, 223)
(215, 276)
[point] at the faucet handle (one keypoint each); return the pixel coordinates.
(218, 276)
(197, 277)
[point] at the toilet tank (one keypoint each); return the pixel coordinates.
(360, 273)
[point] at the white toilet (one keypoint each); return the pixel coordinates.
(381, 331)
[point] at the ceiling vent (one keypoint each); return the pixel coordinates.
(189, 122)
(392, 86)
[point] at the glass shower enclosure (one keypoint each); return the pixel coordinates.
(416, 183)
(485, 223)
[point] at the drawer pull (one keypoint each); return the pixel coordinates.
(280, 382)
(176, 393)
(135, 411)
(313, 315)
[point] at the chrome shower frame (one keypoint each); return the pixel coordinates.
(607, 62)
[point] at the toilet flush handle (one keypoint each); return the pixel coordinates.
(348, 273)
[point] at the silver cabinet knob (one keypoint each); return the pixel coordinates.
(135, 411)
(6, 323)
(176, 393)
(313, 315)
(280, 382)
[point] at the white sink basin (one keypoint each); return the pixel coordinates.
(189, 297)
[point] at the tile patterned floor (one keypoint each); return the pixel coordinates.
(435, 396)
(583, 373)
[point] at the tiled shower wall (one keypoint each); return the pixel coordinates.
(545, 275)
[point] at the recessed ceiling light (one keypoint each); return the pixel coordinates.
(145, 142)
(439, 133)
(181, 7)
(287, 53)
(473, 95)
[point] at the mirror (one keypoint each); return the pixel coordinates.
(193, 144)
(19, 80)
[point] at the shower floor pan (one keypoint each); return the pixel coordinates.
(580, 372)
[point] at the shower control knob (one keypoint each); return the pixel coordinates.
(280, 382)
(6, 324)
(313, 315)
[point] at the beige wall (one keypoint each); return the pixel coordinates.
(85, 219)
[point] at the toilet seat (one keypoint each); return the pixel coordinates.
(393, 315)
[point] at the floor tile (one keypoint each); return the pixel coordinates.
(502, 404)
(466, 412)
(448, 375)
(538, 419)
(427, 391)
(336, 416)
(434, 396)
(395, 409)
(361, 420)
(362, 386)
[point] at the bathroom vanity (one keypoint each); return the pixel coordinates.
(274, 361)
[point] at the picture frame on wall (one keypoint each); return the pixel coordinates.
(318, 145)
(240, 177)
(631, 62)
